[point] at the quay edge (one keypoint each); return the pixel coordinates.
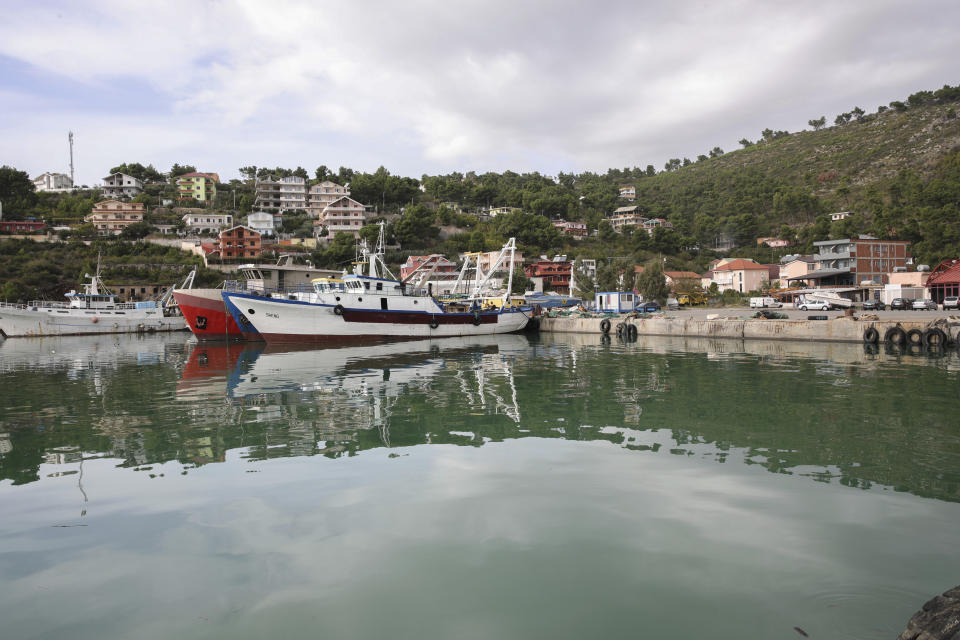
(839, 329)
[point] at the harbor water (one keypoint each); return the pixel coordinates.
(560, 486)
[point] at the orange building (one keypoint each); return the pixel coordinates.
(240, 242)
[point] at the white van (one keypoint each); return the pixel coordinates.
(763, 303)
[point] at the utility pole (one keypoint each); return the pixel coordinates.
(70, 140)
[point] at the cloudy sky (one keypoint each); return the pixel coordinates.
(433, 86)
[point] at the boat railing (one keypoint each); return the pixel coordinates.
(240, 286)
(35, 304)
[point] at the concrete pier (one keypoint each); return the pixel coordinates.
(838, 329)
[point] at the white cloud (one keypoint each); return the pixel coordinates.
(434, 86)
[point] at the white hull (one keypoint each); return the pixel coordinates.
(39, 321)
(295, 321)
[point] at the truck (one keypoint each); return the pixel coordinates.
(764, 302)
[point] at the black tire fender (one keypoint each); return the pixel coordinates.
(605, 325)
(338, 309)
(476, 319)
(434, 323)
(632, 330)
(895, 335)
(621, 328)
(934, 337)
(914, 337)
(871, 336)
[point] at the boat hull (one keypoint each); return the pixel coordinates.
(293, 321)
(207, 315)
(41, 321)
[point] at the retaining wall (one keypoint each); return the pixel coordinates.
(839, 329)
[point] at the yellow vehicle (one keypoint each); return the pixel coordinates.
(694, 298)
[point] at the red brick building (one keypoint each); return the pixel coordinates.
(22, 226)
(239, 242)
(556, 275)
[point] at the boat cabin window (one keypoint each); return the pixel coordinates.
(379, 286)
(366, 285)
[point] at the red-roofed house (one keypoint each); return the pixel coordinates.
(675, 278)
(556, 275)
(944, 280)
(741, 275)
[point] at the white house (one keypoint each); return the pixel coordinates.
(53, 182)
(120, 185)
(262, 222)
(207, 222)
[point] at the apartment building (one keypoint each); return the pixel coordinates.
(239, 242)
(263, 222)
(556, 274)
(198, 186)
(283, 194)
(628, 192)
(343, 214)
(322, 194)
(573, 229)
(120, 185)
(111, 217)
(855, 261)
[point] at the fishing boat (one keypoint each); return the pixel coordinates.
(94, 311)
(374, 306)
(207, 315)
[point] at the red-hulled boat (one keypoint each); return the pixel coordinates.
(207, 315)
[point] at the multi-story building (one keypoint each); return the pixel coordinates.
(111, 217)
(628, 192)
(53, 182)
(574, 229)
(262, 222)
(794, 268)
(120, 185)
(344, 214)
(626, 216)
(741, 275)
(556, 274)
(198, 186)
(486, 260)
(199, 222)
(444, 267)
(284, 194)
(855, 261)
(323, 194)
(239, 242)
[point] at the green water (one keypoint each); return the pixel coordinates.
(512, 487)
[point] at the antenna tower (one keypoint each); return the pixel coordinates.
(70, 138)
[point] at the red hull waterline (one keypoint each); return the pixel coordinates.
(207, 316)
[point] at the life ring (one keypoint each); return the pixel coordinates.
(915, 337)
(338, 309)
(632, 331)
(434, 323)
(605, 326)
(895, 335)
(871, 336)
(934, 337)
(476, 319)
(95, 320)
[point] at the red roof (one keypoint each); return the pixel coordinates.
(197, 174)
(946, 271)
(682, 275)
(740, 265)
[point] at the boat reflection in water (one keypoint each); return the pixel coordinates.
(323, 397)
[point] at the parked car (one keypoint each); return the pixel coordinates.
(649, 307)
(809, 305)
(951, 302)
(875, 305)
(900, 303)
(923, 304)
